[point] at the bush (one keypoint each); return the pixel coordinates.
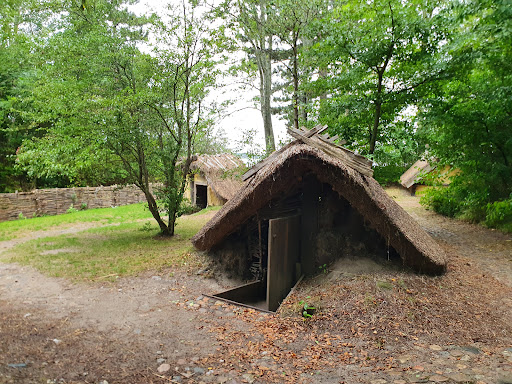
(388, 174)
(499, 215)
(465, 203)
(71, 209)
(187, 208)
(457, 200)
(441, 200)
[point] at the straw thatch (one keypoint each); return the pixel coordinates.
(415, 173)
(219, 172)
(415, 247)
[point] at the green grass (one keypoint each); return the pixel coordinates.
(127, 246)
(22, 227)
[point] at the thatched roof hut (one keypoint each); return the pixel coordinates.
(415, 173)
(303, 208)
(414, 178)
(416, 248)
(213, 180)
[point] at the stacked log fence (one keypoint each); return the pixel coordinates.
(55, 201)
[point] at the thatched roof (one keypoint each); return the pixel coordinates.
(284, 173)
(415, 172)
(219, 172)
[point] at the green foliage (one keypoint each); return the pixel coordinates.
(114, 113)
(373, 59)
(71, 209)
(499, 215)
(466, 118)
(187, 208)
(307, 310)
(388, 174)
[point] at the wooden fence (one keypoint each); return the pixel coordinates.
(58, 200)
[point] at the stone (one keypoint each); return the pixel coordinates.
(399, 382)
(457, 353)
(199, 370)
(470, 349)
(465, 358)
(404, 358)
(435, 347)
(222, 379)
(378, 381)
(164, 368)
(160, 361)
(505, 380)
(103, 382)
(459, 377)
(157, 278)
(176, 379)
(248, 377)
(438, 378)
(182, 362)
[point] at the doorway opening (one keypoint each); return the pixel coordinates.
(201, 196)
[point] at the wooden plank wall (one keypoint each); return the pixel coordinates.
(58, 200)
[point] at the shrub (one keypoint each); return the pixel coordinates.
(388, 174)
(187, 208)
(71, 209)
(499, 215)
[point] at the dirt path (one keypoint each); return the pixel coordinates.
(159, 329)
(491, 250)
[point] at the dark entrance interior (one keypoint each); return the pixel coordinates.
(295, 235)
(201, 196)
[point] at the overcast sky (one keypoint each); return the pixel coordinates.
(241, 116)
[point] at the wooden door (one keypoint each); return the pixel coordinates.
(283, 255)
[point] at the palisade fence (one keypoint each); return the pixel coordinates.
(58, 200)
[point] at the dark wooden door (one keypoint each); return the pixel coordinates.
(283, 255)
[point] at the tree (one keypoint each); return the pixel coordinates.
(20, 28)
(467, 119)
(250, 21)
(375, 55)
(144, 110)
(290, 25)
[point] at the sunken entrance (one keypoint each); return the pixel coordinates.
(292, 236)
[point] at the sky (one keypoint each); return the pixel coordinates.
(241, 116)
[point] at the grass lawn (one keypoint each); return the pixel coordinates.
(125, 242)
(23, 227)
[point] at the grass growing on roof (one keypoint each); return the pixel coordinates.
(119, 249)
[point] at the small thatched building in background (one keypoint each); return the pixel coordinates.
(305, 206)
(414, 178)
(213, 179)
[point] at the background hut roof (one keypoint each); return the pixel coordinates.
(219, 171)
(414, 174)
(416, 248)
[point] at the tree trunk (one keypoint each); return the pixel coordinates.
(295, 86)
(265, 70)
(378, 112)
(165, 230)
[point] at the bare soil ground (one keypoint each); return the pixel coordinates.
(375, 323)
